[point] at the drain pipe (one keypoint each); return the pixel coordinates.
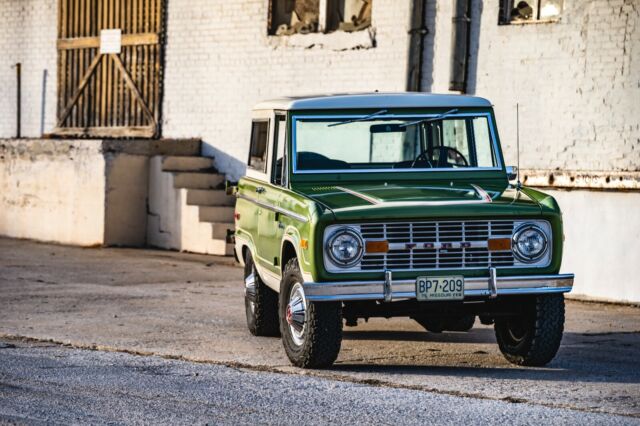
(460, 42)
(18, 99)
(417, 34)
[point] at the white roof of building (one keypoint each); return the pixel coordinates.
(373, 100)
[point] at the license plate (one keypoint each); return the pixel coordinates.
(440, 288)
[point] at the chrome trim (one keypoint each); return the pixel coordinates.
(359, 195)
(493, 283)
(406, 289)
(331, 239)
(492, 131)
(388, 286)
(276, 209)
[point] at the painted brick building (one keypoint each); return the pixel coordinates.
(572, 66)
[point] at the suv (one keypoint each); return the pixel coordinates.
(397, 204)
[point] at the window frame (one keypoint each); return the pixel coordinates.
(266, 148)
(279, 115)
(496, 152)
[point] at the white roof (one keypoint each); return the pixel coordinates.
(373, 100)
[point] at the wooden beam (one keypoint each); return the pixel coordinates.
(79, 90)
(142, 39)
(134, 89)
(107, 132)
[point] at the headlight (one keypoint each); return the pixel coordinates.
(529, 243)
(345, 247)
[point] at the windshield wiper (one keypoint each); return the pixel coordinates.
(427, 120)
(355, 120)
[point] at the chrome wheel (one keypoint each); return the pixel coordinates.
(250, 289)
(296, 313)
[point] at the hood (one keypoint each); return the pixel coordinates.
(395, 200)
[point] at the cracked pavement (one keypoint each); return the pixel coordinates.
(175, 305)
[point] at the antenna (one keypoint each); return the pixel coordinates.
(518, 184)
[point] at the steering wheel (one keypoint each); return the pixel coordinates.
(442, 159)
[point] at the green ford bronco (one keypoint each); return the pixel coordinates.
(393, 204)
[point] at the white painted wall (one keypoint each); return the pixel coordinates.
(28, 35)
(602, 243)
(220, 62)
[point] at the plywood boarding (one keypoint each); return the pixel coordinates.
(109, 94)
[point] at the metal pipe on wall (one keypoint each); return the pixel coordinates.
(460, 41)
(18, 100)
(417, 34)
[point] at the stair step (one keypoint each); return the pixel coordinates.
(186, 164)
(216, 214)
(197, 180)
(219, 229)
(209, 197)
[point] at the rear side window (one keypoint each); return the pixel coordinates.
(258, 150)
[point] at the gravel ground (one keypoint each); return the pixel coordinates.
(42, 383)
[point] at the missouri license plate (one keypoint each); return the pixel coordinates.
(440, 288)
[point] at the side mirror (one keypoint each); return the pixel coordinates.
(512, 172)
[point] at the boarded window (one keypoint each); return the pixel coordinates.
(521, 11)
(258, 149)
(109, 67)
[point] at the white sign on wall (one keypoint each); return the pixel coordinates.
(110, 41)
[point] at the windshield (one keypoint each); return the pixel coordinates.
(381, 143)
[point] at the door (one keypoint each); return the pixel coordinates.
(109, 67)
(270, 227)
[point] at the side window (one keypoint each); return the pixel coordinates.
(258, 149)
(279, 163)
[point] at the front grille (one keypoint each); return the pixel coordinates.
(437, 245)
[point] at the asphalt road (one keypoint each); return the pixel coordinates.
(190, 307)
(42, 383)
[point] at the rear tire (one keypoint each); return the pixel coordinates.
(311, 332)
(533, 337)
(260, 303)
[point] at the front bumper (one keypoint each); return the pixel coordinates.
(388, 289)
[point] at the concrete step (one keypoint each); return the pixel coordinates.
(209, 197)
(197, 180)
(216, 214)
(219, 229)
(186, 164)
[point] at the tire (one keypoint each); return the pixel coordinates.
(440, 324)
(260, 303)
(311, 332)
(532, 338)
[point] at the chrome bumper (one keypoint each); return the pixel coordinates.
(388, 289)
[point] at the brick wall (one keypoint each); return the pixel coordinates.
(28, 35)
(220, 62)
(577, 82)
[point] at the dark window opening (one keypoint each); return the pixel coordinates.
(349, 15)
(520, 11)
(288, 17)
(258, 150)
(279, 172)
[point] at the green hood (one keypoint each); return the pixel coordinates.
(398, 200)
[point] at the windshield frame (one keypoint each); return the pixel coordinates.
(345, 116)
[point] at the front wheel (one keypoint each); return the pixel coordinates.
(533, 337)
(311, 332)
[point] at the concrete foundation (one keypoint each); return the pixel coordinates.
(81, 192)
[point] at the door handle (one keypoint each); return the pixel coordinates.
(260, 189)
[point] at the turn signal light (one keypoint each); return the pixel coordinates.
(499, 244)
(304, 244)
(377, 246)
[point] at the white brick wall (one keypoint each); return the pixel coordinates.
(577, 82)
(28, 36)
(220, 62)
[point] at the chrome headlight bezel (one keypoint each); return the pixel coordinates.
(522, 257)
(341, 231)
